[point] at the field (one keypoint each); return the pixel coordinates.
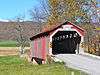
(8, 43)
(13, 65)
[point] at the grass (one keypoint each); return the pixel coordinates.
(8, 43)
(13, 65)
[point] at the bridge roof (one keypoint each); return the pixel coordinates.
(47, 32)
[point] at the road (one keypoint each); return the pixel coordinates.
(87, 64)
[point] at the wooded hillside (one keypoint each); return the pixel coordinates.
(7, 30)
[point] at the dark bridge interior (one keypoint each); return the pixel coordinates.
(65, 42)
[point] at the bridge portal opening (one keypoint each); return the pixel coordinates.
(65, 42)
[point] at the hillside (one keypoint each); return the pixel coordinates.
(7, 30)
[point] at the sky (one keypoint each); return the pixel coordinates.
(9, 9)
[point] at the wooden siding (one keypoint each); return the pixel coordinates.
(32, 49)
(47, 44)
(43, 47)
(39, 55)
(35, 48)
(40, 47)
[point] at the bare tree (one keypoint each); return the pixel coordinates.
(21, 38)
(37, 19)
(40, 15)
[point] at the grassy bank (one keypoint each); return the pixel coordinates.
(13, 65)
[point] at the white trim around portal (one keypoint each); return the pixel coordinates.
(63, 29)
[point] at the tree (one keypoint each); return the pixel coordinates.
(21, 38)
(80, 12)
(76, 11)
(58, 11)
(89, 33)
(62, 10)
(39, 17)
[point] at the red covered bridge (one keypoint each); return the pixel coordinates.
(63, 39)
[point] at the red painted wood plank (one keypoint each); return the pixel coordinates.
(35, 48)
(43, 47)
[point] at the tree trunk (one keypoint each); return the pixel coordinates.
(21, 50)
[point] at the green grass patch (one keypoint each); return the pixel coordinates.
(8, 43)
(14, 65)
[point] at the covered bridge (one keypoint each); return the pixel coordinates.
(63, 39)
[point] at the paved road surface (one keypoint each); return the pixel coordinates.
(88, 64)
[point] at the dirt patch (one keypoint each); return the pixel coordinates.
(8, 52)
(5, 51)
